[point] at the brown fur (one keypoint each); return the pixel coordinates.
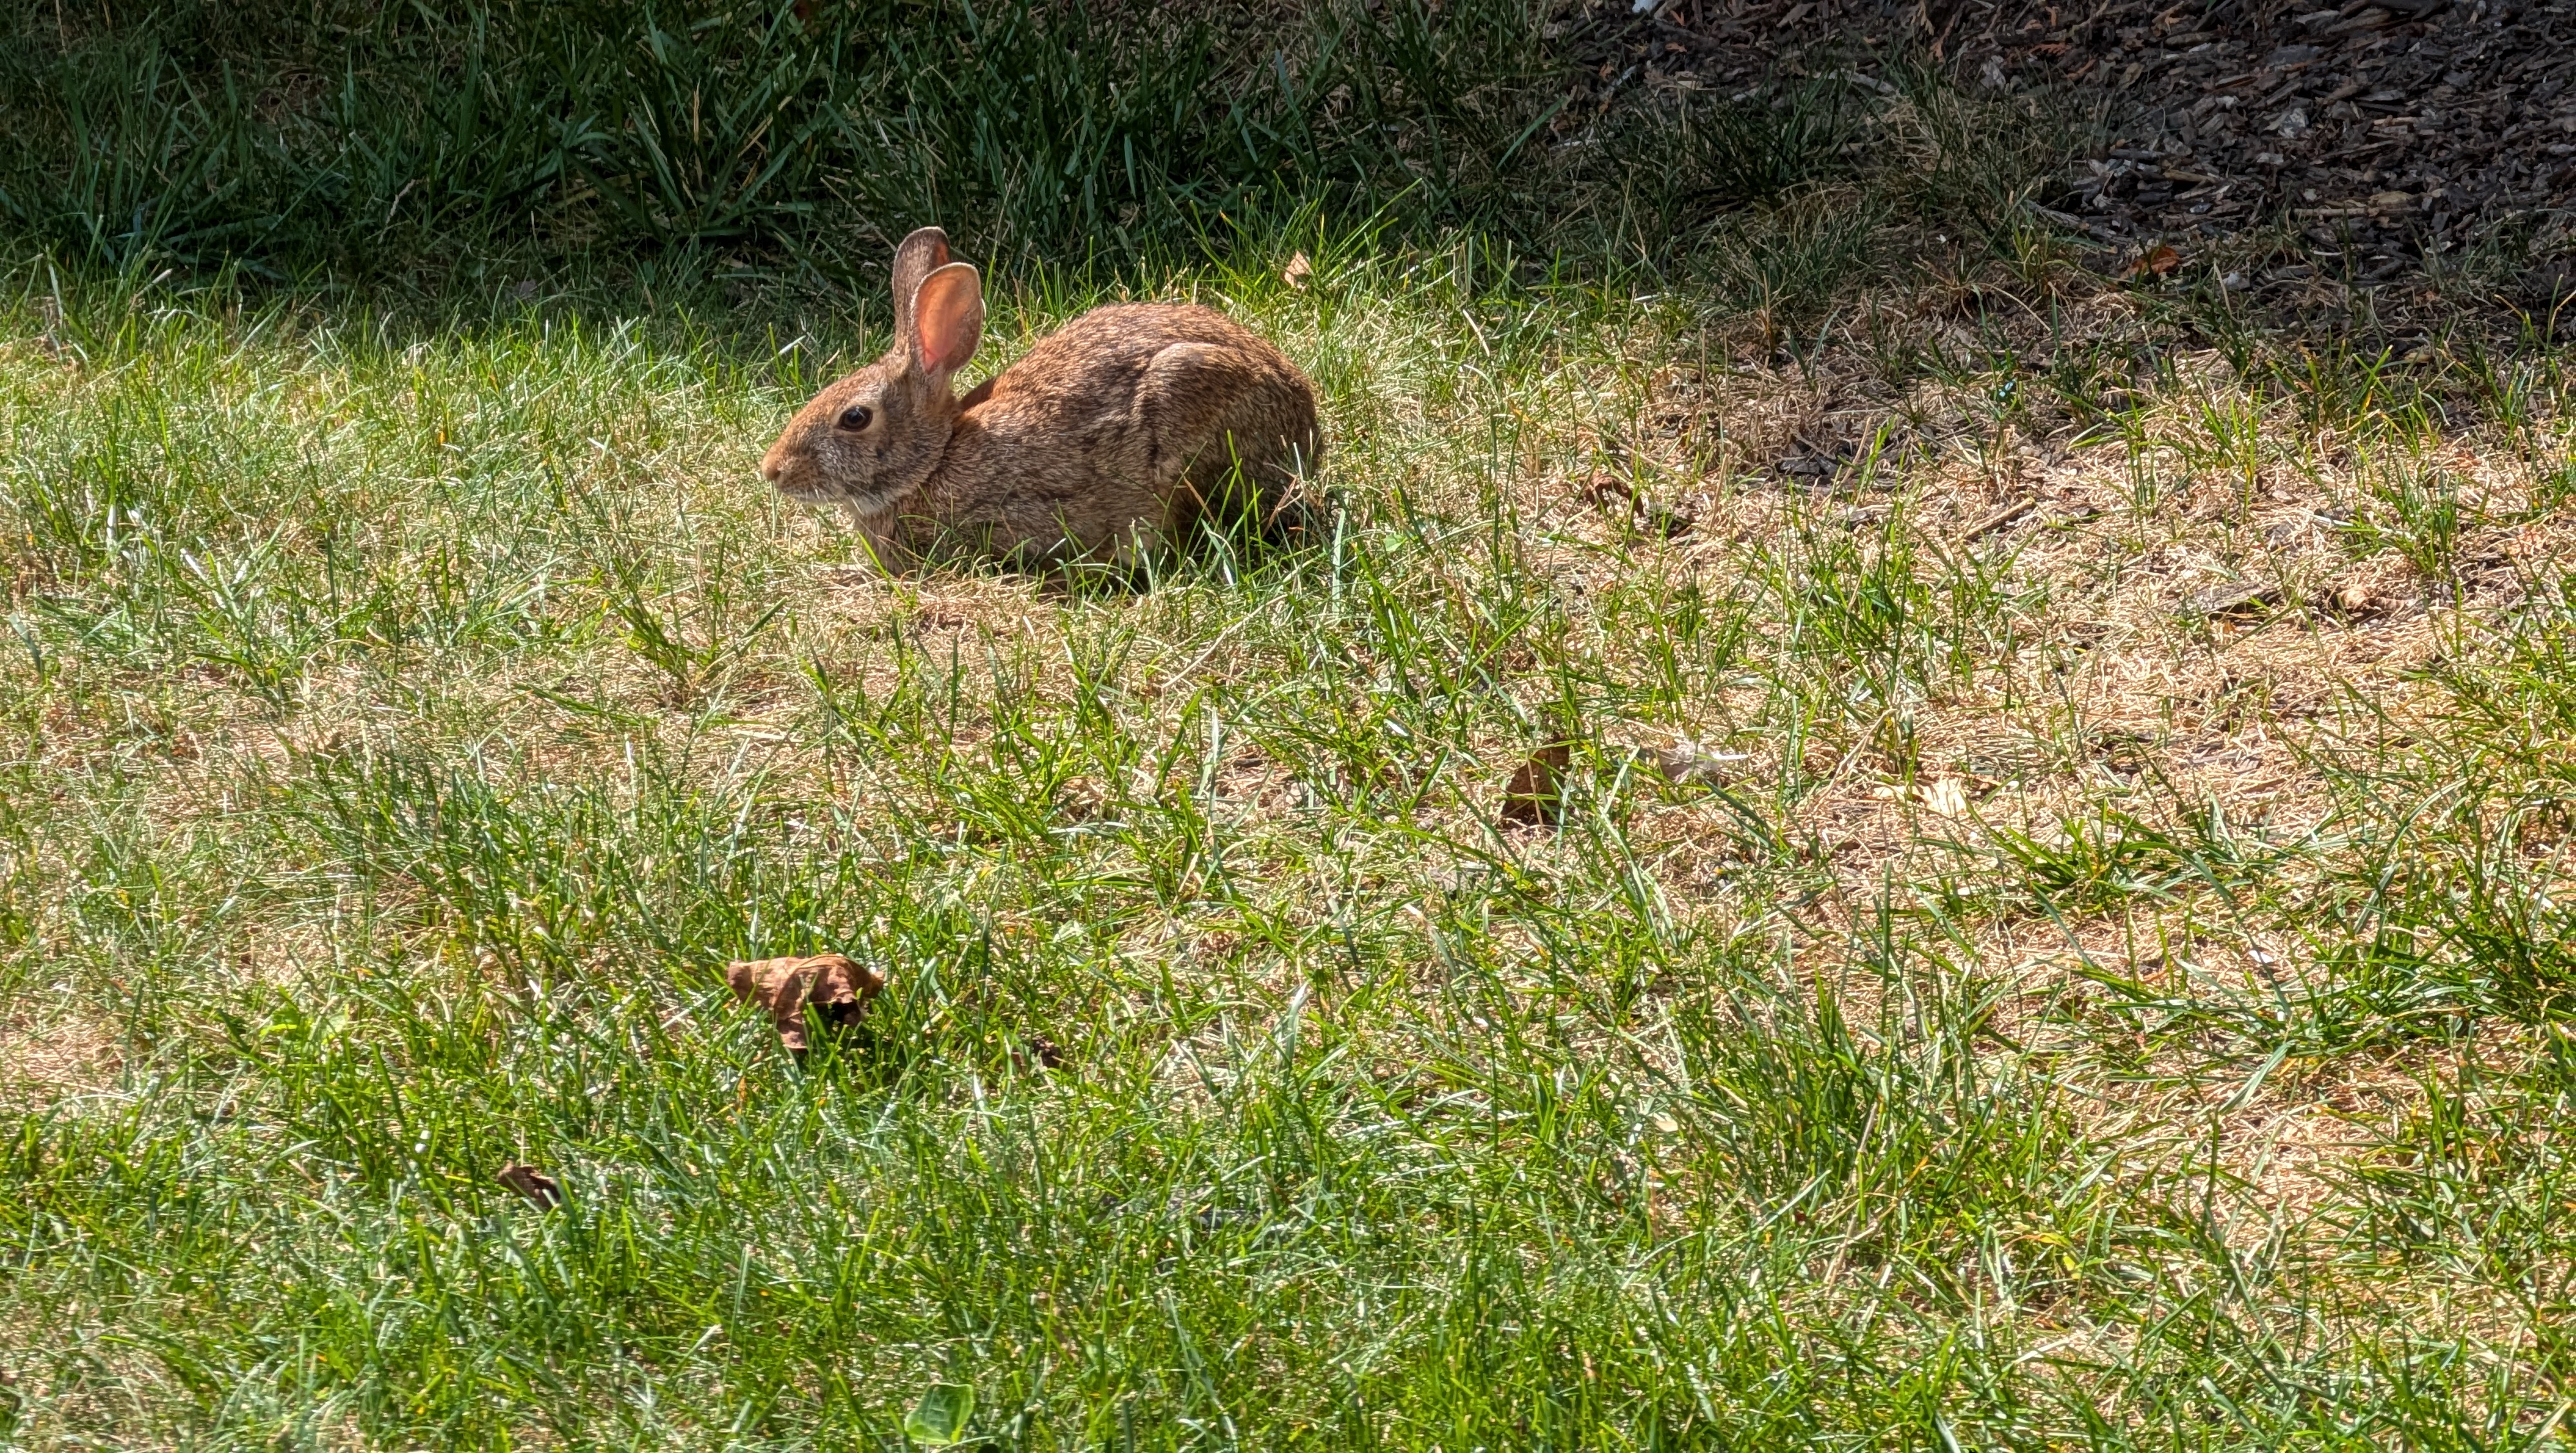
(1119, 434)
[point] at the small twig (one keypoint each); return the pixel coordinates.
(1996, 519)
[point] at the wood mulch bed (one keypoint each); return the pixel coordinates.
(2387, 135)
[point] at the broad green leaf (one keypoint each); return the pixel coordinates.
(939, 1419)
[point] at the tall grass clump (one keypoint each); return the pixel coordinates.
(369, 137)
(481, 146)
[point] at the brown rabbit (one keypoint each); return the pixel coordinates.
(1113, 437)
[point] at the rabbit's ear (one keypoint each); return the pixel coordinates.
(947, 319)
(919, 255)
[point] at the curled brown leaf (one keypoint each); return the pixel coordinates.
(2157, 261)
(835, 986)
(1536, 794)
(1623, 499)
(532, 1183)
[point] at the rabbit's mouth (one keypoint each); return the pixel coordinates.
(809, 491)
(805, 485)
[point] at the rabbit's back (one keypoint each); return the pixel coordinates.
(1121, 430)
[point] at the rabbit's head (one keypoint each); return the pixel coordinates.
(874, 436)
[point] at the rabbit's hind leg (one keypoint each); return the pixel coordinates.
(1229, 430)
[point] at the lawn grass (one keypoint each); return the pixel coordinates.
(2050, 930)
(2046, 1015)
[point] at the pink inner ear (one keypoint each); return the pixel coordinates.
(948, 318)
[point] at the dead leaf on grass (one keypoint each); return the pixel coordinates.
(1619, 497)
(1609, 491)
(1297, 271)
(1690, 762)
(532, 1183)
(1947, 796)
(835, 986)
(1537, 792)
(2158, 261)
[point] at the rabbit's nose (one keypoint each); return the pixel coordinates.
(769, 466)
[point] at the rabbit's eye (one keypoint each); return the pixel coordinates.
(855, 417)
